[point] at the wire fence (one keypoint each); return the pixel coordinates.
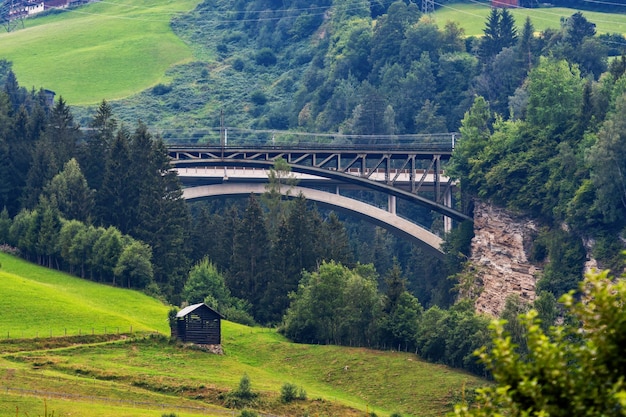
(68, 332)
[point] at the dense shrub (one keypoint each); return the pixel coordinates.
(258, 97)
(161, 89)
(266, 57)
(243, 396)
(290, 392)
(238, 64)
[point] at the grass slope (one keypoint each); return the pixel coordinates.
(150, 375)
(472, 18)
(105, 50)
(37, 301)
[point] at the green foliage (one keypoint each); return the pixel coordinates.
(265, 57)
(607, 159)
(514, 307)
(555, 92)
(70, 191)
(243, 396)
(567, 257)
(206, 284)
(290, 392)
(575, 368)
(134, 267)
(204, 280)
(333, 305)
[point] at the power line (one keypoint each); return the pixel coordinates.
(355, 5)
(607, 3)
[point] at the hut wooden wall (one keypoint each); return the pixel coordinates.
(201, 326)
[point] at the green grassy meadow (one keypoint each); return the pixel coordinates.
(147, 374)
(106, 50)
(38, 302)
(472, 18)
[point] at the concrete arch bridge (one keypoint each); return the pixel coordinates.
(325, 173)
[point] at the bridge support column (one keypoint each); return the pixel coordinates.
(447, 221)
(391, 204)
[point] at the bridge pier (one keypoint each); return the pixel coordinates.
(447, 201)
(391, 204)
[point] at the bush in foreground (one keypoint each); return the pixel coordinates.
(574, 369)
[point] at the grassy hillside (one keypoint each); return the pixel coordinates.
(112, 50)
(472, 18)
(36, 301)
(106, 50)
(150, 375)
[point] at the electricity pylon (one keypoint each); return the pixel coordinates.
(11, 14)
(428, 6)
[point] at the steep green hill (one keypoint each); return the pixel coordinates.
(137, 377)
(39, 301)
(105, 50)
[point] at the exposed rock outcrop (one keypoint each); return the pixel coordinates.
(499, 255)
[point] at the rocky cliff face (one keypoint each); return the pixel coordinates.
(499, 254)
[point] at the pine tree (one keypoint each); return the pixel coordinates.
(97, 144)
(250, 273)
(116, 202)
(499, 33)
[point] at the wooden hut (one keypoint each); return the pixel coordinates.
(198, 324)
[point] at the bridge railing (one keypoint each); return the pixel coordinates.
(272, 139)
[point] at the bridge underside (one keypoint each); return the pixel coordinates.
(396, 225)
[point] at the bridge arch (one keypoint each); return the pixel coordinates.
(327, 173)
(396, 225)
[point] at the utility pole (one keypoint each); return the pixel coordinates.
(428, 6)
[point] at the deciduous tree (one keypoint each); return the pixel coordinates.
(573, 369)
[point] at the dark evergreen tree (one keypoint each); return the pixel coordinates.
(499, 33)
(48, 236)
(17, 95)
(250, 273)
(92, 155)
(5, 226)
(160, 218)
(21, 148)
(527, 47)
(62, 133)
(335, 243)
(295, 250)
(115, 200)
